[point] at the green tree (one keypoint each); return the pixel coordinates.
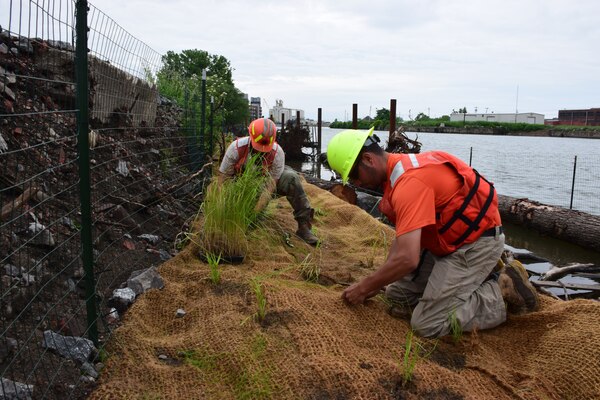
(191, 62)
(180, 79)
(382, 114)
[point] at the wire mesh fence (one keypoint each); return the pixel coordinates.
(86, 145)
(566, 181)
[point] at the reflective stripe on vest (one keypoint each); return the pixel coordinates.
(244, 141)
(399, 169)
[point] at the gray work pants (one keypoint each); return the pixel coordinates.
(454, 286)
(290, 186)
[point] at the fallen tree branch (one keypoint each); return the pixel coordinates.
(562, 285)
(23, 198)
(556, 273)
(163, 192)
(178, 185)
(120, 201)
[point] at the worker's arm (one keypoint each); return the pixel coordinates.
(266, 195)
(402, 259)
(221, 177)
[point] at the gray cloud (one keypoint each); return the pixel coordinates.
(430, 55)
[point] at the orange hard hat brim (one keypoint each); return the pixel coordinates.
(264, 148)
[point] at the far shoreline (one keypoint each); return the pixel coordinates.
(575, 132)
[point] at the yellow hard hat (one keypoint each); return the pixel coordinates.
(343, 149)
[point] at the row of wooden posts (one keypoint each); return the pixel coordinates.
(354, 120)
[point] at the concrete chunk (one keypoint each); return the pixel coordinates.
(146, 280)
(71, 347)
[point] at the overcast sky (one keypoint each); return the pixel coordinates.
(432, 56)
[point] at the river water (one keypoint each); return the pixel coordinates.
(539, 168)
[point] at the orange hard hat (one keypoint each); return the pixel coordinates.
(262, 134)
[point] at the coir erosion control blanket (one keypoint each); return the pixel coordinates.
(309, 345)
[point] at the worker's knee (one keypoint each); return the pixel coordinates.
(288, 178)
(289, 184)
(427, 327)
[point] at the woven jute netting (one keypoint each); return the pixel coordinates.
(310, 345)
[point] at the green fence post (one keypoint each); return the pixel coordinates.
(81, 75)
(202, 116)
(196, 133)
(211, 121)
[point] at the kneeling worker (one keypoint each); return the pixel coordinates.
(262, 139)
(449, 238)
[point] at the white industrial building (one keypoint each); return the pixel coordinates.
(288, 113)
(527, 118)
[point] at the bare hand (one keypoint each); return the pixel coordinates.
(358, 293)
(354, 294)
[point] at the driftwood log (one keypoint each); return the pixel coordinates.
(569, 225)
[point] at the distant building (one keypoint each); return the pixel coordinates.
(255, 108)
(288, 113)
(527, 118)
(590, 116)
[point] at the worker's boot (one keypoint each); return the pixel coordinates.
(518, 293)
(305, 233)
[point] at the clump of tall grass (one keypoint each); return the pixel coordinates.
(229, 210)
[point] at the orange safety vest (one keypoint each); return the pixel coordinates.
(471, 211)
(242, 146)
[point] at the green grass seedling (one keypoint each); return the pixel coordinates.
(213, 263)
(261, 300)
(413, 352)
(410, 359)
(455, 328)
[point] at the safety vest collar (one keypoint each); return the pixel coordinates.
(243, 148)
(399, 168)
(243, 141)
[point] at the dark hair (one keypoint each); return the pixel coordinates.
(372, 146)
